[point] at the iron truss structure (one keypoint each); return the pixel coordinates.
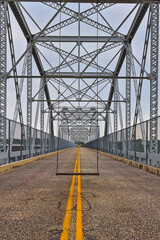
(82, 66)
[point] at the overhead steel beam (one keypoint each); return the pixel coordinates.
(81, 39)
(76, 75)
(80, 100)
(72, 113)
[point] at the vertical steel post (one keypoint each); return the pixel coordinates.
(53, 143)
(128, 99)
(18, 86)
(9, 145)
(115, 116)
(50, 136)
(42, 117)
(147, 149)
(121, 142)
(135, 145)
(3, 69)
(79, 45)
(36, 143)
(44, 141)
(22, 127)
(49, 147)
(29, 99)
(154, 77)
(40, 142)
(116, 145)
(112, 142)
(108, 143)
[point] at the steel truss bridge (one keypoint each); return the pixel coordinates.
(80, 70)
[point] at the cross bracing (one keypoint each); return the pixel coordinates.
(83, 67)
(100, 1)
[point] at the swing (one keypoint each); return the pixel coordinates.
(96, 173)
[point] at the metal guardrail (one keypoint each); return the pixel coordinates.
(19, 147)
(139, 148)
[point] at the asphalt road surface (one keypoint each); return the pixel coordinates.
(122, 203)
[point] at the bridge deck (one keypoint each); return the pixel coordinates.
(122, 203)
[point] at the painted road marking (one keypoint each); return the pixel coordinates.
(66, 223)
(67, 219)
(79, 224)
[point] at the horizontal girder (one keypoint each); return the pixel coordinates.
(77, 75)
(81, 39)
(78, 100)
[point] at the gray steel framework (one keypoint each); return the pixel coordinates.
(100, 1)
(42, 113)
(154, 76)
(83, 78)
(18, 89)
(128, 97)
(131, 33)
(29, 97)
(3, 68)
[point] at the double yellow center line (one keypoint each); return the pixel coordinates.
(67, 219)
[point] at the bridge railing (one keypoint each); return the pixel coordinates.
(17, 146)
(138, 148)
